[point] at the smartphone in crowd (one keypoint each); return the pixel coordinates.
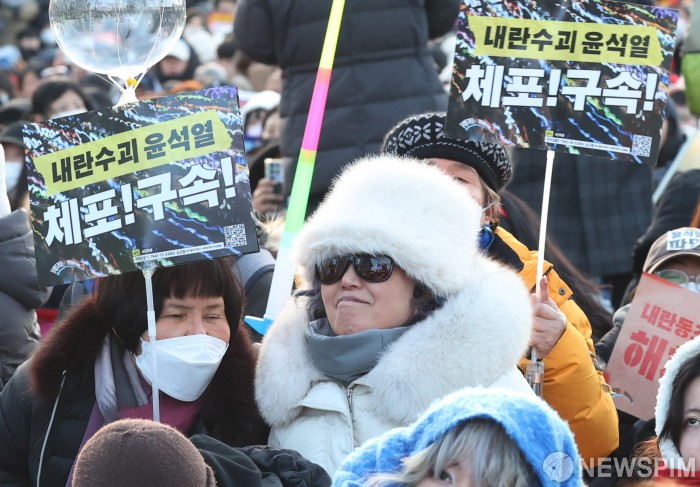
(274, 171)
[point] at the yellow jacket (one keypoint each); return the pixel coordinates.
(572, 384)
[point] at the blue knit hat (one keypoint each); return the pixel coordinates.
(543, 437)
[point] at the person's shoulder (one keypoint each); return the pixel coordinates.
(18, 388)
(14, 225)
(513, 242)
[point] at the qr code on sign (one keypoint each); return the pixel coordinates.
(641, 145)
(235, 235)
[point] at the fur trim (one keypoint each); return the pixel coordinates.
(71, 344)
(478, 335)
(229, 411)
(400, 207)
(685, 352)
(285, 370)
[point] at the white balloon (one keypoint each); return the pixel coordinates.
(117, 38)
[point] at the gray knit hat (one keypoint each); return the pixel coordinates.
(138, 452)
(423, 137)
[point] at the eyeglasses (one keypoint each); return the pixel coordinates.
(370, 268)
(677, 277)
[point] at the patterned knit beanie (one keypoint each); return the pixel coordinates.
(138, 452)
(423, 137)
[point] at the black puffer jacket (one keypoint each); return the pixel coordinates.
(383, 71)
(28, 418)
(20, 293)
(259, 466)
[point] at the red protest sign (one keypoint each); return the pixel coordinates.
(663, 316)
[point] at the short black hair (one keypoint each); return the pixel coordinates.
(121, 299)
(50, 90)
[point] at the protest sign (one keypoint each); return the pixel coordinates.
(584, 77)
(663, 316)
(161, 180)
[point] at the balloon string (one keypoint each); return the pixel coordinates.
(119, 37)
(155, 42)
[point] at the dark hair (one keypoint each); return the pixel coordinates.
(121, 300)
(50, 90)
(26, 32)
(192, 12)
(522, 221)
(31, 68)
(673, 427)
(695, 221)
(118, 306)
(226, 49)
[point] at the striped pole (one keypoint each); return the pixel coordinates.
(283, 277)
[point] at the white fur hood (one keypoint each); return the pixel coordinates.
(400, 207)
(685, 352)
(479, 334)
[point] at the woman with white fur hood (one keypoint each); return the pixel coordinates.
(677, 417)
(393, 312)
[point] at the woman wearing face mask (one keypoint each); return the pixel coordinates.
(95, 367)
(57, 97)
(397, 308)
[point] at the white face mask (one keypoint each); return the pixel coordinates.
(186, 364)
(692, 286)
(13, 170)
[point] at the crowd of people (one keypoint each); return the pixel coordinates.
(420, 345)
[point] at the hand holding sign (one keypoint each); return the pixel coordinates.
(549, 322)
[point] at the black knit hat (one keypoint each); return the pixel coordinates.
(423, 136)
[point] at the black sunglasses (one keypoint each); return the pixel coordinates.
(370, 268)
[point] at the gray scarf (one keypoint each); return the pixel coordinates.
(116, 381)
(347, 357)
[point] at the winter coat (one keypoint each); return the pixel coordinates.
(20, 293)
(605, 346)
(473, 339)
(258, 466)
(38, 441)
(673, 210)
(383, 71)
(669, 452)
(572, 384)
